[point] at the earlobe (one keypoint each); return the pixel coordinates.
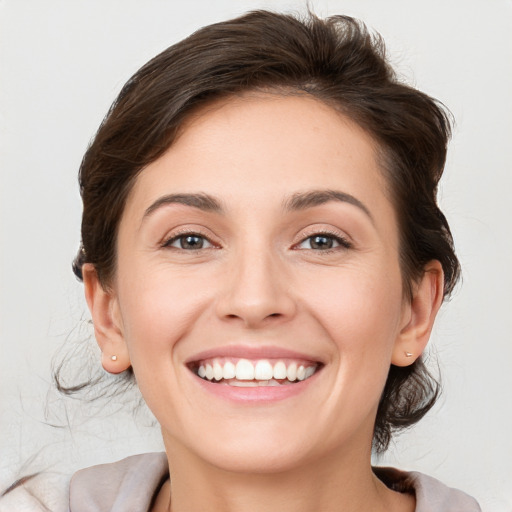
(420, 315)
(104, 309)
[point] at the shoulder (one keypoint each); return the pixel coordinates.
(431, 494)
(123, 486)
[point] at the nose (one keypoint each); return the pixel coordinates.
(257, 291)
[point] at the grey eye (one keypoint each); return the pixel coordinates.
(321, 242)
(189, 242)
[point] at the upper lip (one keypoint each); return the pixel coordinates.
(252, 352)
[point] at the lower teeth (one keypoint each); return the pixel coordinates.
(253, 383)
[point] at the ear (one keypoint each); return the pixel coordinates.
(106, 318)
(419, 315)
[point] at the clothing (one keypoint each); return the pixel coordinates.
(131, 484)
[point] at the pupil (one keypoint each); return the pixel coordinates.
(191, 242)
(321, 242)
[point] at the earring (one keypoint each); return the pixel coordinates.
(113, 358)
(408, 354)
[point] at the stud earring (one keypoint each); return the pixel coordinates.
(408, 354)
(114, 358)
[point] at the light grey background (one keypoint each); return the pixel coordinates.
(61, 65)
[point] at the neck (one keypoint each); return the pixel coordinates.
(331, 484)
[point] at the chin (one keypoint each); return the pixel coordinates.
(258, 458)
(256, 450)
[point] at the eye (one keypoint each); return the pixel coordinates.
(323, 242)
(189, 242)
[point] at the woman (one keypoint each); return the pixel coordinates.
(263, 250)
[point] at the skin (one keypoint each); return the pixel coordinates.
(258, 281)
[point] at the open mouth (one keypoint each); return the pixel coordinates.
(249, 373)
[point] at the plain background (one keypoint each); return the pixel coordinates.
(61, 65)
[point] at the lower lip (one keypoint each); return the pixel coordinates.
(259, 394)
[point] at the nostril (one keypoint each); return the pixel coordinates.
(255, 308)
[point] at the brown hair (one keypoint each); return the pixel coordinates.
(335, 60)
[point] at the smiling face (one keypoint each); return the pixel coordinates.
(258, 293)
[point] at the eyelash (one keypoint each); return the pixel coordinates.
(184, 234)
(344, 244)
(342, 241)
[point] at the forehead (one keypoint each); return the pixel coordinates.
(260, 149)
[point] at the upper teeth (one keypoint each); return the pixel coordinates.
(247, 370)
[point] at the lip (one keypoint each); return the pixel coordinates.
(253, 353)
(254, 395)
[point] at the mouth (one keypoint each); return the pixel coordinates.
(241, 372)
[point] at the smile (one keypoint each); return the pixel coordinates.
(254, 373)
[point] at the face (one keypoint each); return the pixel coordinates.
(258, 291)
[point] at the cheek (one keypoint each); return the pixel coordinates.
(159, 309)
(361, 310)
(159, 313)
(365, 330)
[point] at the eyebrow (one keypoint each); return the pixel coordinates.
(298, 201)
(304, 200)
(201, 201)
